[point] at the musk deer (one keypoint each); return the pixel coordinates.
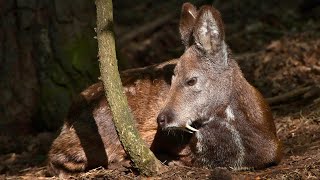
(230, 122)
(206, 114)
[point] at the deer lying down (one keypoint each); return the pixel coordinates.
(88, 138)
(208, 116)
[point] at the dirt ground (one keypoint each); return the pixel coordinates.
(285, 66)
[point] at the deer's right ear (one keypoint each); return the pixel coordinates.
(208, 30)
(187, 21)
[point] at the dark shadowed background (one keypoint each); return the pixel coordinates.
(48, 54)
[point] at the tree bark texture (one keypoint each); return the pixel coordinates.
(123, 119)
(47, 55)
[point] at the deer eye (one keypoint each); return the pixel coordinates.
(191, 81)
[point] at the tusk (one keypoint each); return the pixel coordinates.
(187, 130)
(191, 128)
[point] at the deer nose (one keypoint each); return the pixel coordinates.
(164, 118)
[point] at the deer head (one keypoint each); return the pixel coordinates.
(202, 80)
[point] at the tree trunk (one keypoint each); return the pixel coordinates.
(123, 119)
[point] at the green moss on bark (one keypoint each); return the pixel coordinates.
(135, 147)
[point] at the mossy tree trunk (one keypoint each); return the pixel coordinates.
(123, 119)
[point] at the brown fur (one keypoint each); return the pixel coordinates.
(230, 122)
(88, 138)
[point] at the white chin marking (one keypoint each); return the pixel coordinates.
(199, 145)
(235, 135)
(229, 113)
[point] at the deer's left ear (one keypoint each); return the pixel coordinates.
(209, 31)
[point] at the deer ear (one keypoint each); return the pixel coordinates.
(187, 21)
(209, 32)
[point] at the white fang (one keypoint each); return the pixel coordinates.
(192, 129)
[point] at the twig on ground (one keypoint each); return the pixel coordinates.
(289, 95)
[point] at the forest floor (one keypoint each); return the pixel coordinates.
(279, 53)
